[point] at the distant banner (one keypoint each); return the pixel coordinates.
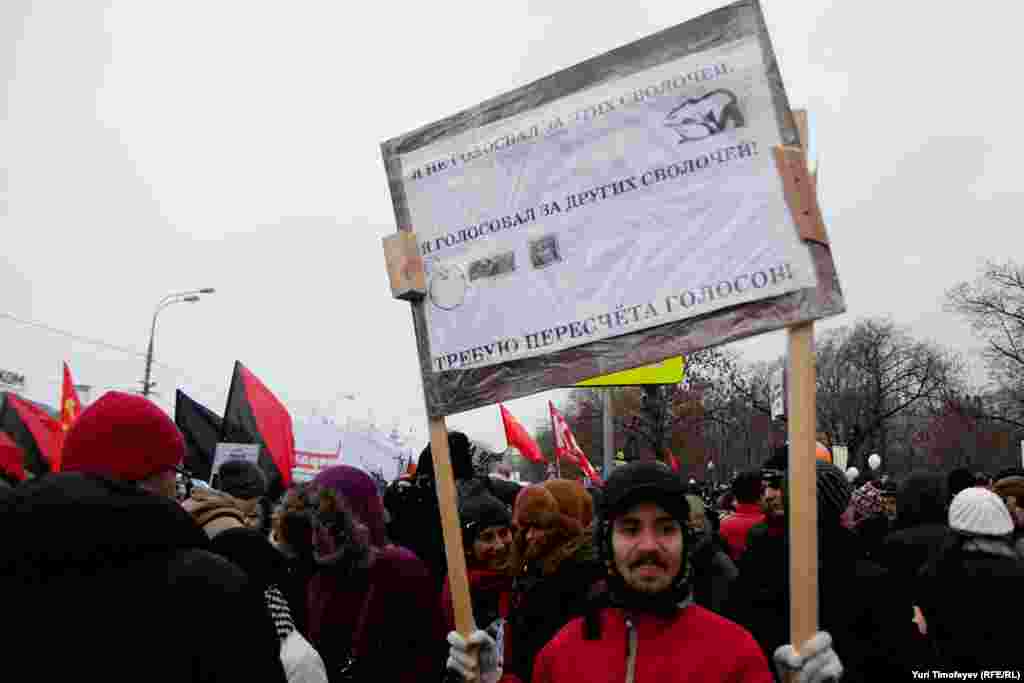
(226, 452)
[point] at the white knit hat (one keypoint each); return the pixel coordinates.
(979, 512)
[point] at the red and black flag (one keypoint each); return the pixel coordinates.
(255, 415)
(12, 460)
(201, 428)
(33, 430)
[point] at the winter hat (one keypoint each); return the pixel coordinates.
(460, 452)
(243, 480)
(535, 506)
(977, 511)
(123, 437)
(360, 493)
(639, 482)
(478, 512)
(833, 491)
(1011, 486)
(572, 503)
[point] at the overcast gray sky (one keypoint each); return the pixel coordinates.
(149, 147)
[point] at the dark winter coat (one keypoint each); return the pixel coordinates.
(713, 572)
(870, 623)
(966, 597)
(543, 604)
(404, 637)
(107, 581)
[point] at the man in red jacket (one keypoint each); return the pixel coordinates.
(735, 527)
(648, 628)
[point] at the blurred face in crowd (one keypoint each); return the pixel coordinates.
(771, 498)
(647, 544)
(889, 506)
(491, 547)
(697, 520)
(1016, 511)
(162, 484)
(539, 539)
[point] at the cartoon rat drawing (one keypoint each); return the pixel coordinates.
(701, 117)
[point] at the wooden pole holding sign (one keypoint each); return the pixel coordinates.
(801, 197)
(408, 282)
(447, 502)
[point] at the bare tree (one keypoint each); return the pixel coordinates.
(873, 372)
(993, 304)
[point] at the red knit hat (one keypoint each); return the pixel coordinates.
(123, 437)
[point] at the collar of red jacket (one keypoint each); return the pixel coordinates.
(748, 509)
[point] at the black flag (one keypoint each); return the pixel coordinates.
(201, 428)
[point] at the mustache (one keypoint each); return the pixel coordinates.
(651, 559)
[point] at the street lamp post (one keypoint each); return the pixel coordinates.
(174, 298)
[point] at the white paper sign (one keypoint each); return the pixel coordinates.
(637, 202)
(226, 452)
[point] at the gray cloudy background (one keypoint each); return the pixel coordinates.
(149, 147)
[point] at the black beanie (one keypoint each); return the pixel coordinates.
(241, 479)
(459, 452)
(639, 482)
(480, 511)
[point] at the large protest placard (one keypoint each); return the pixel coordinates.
(611, 215)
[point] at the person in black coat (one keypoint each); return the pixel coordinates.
(120, 585)
(920, 529)
(869, 621)
(966, 585)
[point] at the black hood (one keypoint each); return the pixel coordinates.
(71, 525)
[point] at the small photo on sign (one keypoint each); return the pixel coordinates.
(545, 251)
(492, 266)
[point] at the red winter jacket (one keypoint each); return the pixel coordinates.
(693, 647)
(735, 527)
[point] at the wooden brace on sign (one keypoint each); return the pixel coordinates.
(801, 196)
(405, 266)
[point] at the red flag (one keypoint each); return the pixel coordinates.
(567, 448)
(671, 460)
(70, 408)
(254, 415)
(517, 436)
(33, 430)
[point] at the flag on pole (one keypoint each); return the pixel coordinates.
(70, 409)
(566, 446)
(33, 430)
(672, 461)
(201, 428)
(517, 436)
(254, 415)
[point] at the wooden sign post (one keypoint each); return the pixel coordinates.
(408, 283)
(801, 197)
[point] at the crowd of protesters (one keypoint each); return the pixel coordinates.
(112, 572)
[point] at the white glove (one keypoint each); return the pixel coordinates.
(816, 663)
(473, 658)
